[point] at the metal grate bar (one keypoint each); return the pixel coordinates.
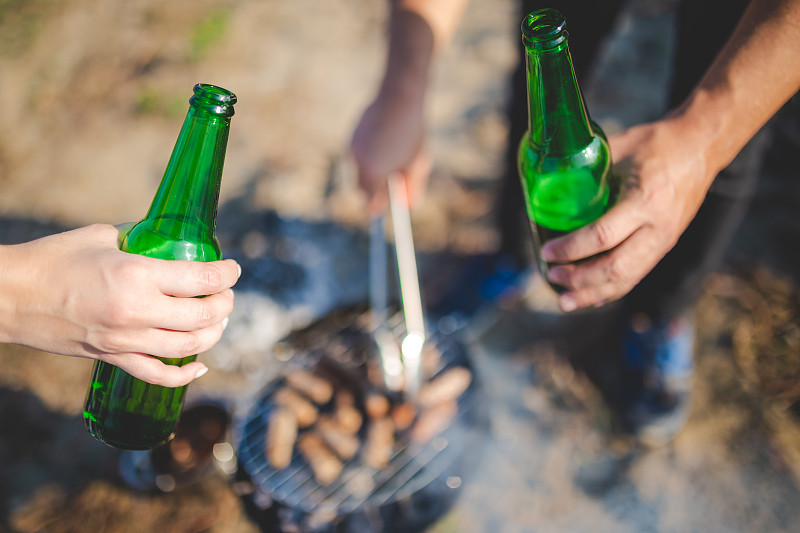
(411, 467)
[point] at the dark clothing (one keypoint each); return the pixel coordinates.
(703, 26)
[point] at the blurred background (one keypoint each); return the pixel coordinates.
(94, 94)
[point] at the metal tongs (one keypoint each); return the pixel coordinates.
(400, 365)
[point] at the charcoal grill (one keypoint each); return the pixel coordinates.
(416, 487)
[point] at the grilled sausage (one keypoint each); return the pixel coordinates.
(318, 389)
(304, 410)
(377, 405)
(347, 415)
(445, 387)
(403, 415)
(379, 445)
(345, 444)
(324, 463)
(281, 436)
(433, 421)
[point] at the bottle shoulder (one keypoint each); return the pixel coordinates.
(153, 238)
(595, 154)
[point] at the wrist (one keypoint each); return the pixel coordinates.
(706, 124)
(11, 288)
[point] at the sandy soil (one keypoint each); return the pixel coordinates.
(94, 95)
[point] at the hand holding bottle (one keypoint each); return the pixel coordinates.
(120, 409)
(670, 164)
(77, 294)
(665, 178)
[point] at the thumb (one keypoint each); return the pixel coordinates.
(153, 371)
(123, 229)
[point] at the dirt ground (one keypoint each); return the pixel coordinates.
(94, 95)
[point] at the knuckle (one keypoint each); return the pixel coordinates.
(209, 338)
(130, 269)
(619, 270)
(111, 342)
(205, 314)
(190, 345)
(586, 297)
(562, 275)
(121, 311)
(210, 277)
(603, 234)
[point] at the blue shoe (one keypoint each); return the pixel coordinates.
(658, 365)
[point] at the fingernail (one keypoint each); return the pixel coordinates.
(567, 303)
(546, 254)
(201, 372)
(554, 276)
(225, 323)
(240, 269)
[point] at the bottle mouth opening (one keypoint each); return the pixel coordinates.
(213, 99)
(544, 28)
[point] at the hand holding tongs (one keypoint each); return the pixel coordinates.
(401, 368)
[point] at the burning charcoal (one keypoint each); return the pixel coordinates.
(347, 415)
(379, 445)
(303, 410)
(377, 405)
(323, 461)
(403, 415)
(340, 441)
(318, 389)
(445, 387)
(433, 421)
(281, 436)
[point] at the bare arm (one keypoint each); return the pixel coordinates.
(756, 72)
(670, 164)
(391, 133)
(77, 294)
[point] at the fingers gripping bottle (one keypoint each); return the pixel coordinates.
(564, 159)
(120, 410)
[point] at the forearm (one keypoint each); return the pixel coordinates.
(417, 30)
(756, 72)
(441, 16)
(75, 293)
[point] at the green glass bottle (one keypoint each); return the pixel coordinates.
(121, 410)
(564, 159)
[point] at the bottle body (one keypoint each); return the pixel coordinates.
(564, 159)
(564, 193)
(121, 410)
(124, 411)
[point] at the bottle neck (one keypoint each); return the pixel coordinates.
(557, 119)
(185, 205)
